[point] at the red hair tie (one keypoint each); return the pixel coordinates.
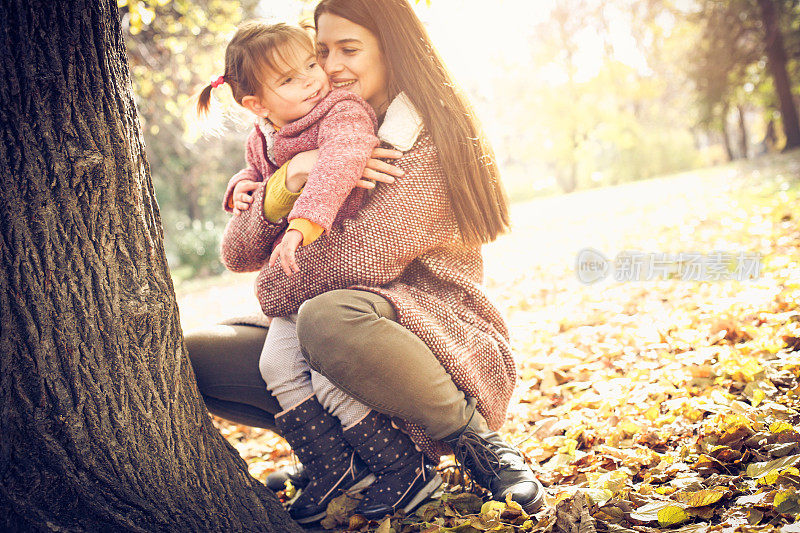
(217, 82)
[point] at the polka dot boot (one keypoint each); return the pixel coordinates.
(404, 476)
(331, 463)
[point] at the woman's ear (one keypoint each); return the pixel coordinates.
(253, 104)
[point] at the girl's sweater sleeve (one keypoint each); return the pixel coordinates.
(401, 222)
(346, 139)
(251, 173)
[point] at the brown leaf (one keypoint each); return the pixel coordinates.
(699, 498)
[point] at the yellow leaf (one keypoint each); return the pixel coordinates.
(511, 504)
(652, 413)
(493, 505)
(751, 369)
(780, 426)
(385, 527)
(769, 478)
(758, 397)
(700, 497)
(787, 502)
(672, 515)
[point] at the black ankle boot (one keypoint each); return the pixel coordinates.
(332, 465)
(297, 474)
(495, 465)
(404, 476)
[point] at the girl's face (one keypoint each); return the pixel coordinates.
(352, 58)
(290, 92)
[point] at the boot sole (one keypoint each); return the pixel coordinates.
(424, 493)
(534, 506)
(420, 496)
(361, 485)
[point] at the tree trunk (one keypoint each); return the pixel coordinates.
(102, 427)
(726, 136)
(776, 59)
(743, 130)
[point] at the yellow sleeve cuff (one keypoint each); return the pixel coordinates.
(278, 200)
(310, 230)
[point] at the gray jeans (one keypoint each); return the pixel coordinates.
(352, 338)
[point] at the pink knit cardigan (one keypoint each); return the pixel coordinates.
(342, 125)
(403, 244)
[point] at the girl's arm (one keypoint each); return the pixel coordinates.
(251, 173)
(402, 221)
(346, 139)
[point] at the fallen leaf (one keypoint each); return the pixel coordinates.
(699, 498)
(757, 470)
(672, 515)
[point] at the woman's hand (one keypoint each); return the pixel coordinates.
(375, 171)
(243, 195)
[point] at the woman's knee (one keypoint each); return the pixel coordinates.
(222, 354)
(326, 324)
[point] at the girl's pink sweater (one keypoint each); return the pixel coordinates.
(342, 126)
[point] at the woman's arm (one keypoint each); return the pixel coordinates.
(402, 221)
(248, 237)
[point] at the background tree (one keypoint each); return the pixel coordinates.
(777, 61)
(739, 60)
(102, 427)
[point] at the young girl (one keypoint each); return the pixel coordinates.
(273, 72)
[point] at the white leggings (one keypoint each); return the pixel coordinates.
(291, 380)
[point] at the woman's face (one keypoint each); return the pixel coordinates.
(352, 58)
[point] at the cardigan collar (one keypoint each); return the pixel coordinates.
(401, 124)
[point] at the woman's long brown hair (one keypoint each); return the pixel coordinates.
(415, 68)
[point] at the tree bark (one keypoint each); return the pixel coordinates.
(102, 427)
(776, 59)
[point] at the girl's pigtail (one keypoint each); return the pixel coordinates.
(204, 101)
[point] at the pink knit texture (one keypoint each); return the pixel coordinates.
(342, 126)
(402, 244)
(258, 166)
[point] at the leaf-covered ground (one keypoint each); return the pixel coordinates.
(642, 405)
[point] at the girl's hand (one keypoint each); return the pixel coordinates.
(285, 252)
(243, 195)
(377, 170)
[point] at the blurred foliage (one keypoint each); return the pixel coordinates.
(175, 47)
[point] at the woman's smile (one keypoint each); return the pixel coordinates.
(344, 83)
(351, 57)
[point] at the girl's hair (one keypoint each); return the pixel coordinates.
(256, 48)
(415, 68)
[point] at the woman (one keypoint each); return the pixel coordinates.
(393, 312)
